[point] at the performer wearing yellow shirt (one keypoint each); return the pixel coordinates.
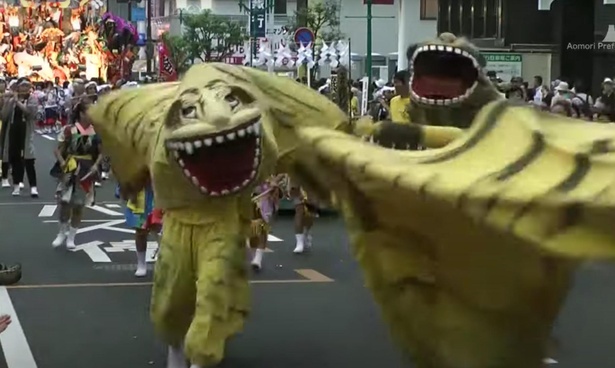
(399, 104)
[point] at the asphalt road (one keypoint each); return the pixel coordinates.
(86, 309)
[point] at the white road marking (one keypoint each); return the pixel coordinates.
(56, 221)
(40, 203)
(271, 238)
(549, 361)
(93, 251)
(113, 205)
(48, 137)
(108, 225)
(14, 343)
(106, 211)
(129, 245)
(48, 210)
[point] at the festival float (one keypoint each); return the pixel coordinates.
(50, 41)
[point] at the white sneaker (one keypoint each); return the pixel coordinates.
(61, 237)
(16, 191)
(141, 271)
(257, 261)
(104, 175)
(70, 239)
(5, 183)
(176, 358)
(97, 184)
(300, 247)
(141, 265)
(21, 186)
(34, 192)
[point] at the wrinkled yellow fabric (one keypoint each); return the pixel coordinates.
(200, 291)
(469, 248)
(201, 294)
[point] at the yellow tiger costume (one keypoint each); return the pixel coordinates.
(469, 249)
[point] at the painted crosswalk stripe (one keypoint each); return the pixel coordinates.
(48, 210)
(92, 249)
(48, 137)
(15, 346)
(272, 238)
(113, 205)
(106, 211)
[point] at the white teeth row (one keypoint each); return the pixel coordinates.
(224, 192)
(443, 48)
(189, 147)
(444, 101)
(195, 181)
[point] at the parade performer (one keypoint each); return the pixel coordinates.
(304, 218)
(78, 158)
(265, 201)
(141, 216)
(200, 294)
(469, 249)
(433, 101)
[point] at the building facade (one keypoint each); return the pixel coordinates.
(572, 34)
(420, 15)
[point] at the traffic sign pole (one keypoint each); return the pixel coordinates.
(305, 36)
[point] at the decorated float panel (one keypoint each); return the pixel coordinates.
(62, 40)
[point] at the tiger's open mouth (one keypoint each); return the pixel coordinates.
(221, 163)
(443, 75)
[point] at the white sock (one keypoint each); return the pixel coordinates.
(141, 259)
(258, 255)
(176, 358)
(300, 239)
(307, 238)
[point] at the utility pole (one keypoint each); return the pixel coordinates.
(369, 17)
(368, 63)
(129, 11)
(150, 45)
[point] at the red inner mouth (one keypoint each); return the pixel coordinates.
(223, 166)
(442, 75)
(437, 87)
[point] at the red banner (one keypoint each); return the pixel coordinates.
(381, 2)
(166, 70)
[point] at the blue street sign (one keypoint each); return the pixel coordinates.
(141, 40)
(259, 23)
(304, 36)
(137, 14)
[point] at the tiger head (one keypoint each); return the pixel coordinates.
(214, 133)
(448, 84)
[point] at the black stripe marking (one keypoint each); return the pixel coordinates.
(572, 213)
(601, 146)
(490, 122)
(536, 149)
(582, 167)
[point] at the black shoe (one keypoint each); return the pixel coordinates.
(10, 275)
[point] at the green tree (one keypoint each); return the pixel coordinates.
(210, 37)
(178, 51)
(322, 18)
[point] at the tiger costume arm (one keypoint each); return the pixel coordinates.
(469, 249)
